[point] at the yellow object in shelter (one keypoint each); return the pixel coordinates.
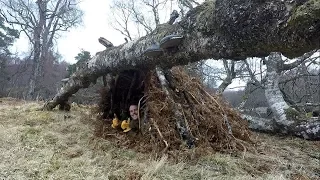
(115, 123)
(125, 125)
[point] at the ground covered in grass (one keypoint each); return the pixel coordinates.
(61, 145)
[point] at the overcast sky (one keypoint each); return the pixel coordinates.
(95, 25)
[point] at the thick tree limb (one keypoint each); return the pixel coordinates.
(215, 29)
(307, 130)
(260, 124)
(298, 62)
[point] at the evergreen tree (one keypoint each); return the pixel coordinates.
(81, 58)
(7, 36)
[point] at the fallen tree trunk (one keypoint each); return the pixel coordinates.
(308, 129)
(260, 124)
(214, 29)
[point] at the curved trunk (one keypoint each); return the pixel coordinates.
(275, 99)
(284, 116)
(231, 74)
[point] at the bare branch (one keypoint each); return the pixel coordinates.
(299, 61)
(252, 75)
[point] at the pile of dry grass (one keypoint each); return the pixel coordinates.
(211, 122)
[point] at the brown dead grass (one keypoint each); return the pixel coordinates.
(61, 145)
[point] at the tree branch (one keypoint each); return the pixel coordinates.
(253, 76)
(298, 61)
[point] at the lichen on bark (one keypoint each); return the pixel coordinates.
(306, 13)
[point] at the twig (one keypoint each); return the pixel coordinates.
(186, 122)
(139, 105)
(223, 114)
(156, 126)
(193, 97)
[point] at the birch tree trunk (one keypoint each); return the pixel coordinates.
(36, 64)
(273, 94)
(284, 116)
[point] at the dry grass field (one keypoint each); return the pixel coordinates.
(61, 145)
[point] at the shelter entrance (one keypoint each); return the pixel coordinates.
(126, 88)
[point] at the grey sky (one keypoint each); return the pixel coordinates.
(95, 25)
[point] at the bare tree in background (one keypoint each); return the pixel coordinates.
(229, 67)
(145, 15)
(230, 70)
(300, 85)
(41, 21)
(131, 13)
(121, 17)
